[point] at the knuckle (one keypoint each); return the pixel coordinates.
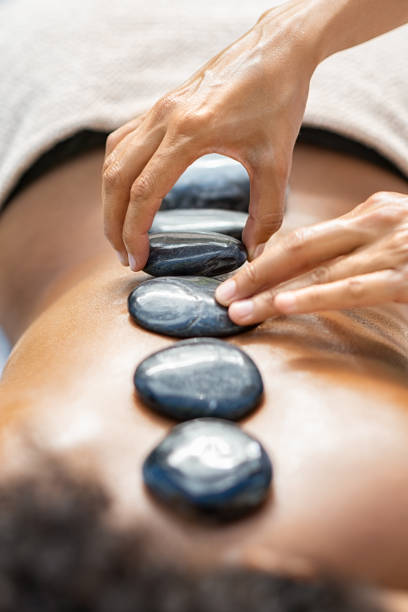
(388, 215)
(141, 189)
(250, 274)
(295, 241)
(164, 107)
(268, 299)
(399, 243)
(320, 275)
(355, 289)
(379, 197)
(192, 123)
(107, 162)
(112, 176)
(373, 202)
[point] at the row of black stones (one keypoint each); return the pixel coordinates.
(206, 463)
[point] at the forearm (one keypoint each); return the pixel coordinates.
(345, 23)
(329, 26)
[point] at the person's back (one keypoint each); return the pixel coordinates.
(333, 419)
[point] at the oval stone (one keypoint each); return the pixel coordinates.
(202, 377)
(212, 181)
(181, 306)
(227, 222)
(211, 466)
(204, 254)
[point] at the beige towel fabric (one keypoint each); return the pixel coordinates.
(362, 93)
(67, 66)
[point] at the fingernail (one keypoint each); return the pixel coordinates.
(122, 258)
(286, 302)
(226, 291)
(132, 262)
(242, 309)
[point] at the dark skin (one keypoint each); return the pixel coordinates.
(333, 419)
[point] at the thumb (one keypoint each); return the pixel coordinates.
(266, 207)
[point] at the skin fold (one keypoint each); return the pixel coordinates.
(334, 417)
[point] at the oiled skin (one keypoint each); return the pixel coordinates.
(335, 413)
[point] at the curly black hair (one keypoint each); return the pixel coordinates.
(59, 553)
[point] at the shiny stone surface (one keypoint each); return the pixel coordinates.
(211, 466)
(200, 378)
(204, 254)
(181, 306)
(228, 222)
(213, 181)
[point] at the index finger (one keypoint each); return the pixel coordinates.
(121, 169)
(119, 134)
(157, 178)
(287, 256)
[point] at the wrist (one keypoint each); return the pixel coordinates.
(304, 26)
(325, 27)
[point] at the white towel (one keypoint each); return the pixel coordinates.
(67, 66)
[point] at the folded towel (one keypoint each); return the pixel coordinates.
(94, 64)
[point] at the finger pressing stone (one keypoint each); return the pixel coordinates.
(205, 254)
(181, 306)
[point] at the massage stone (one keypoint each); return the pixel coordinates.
(227, 222)
(181, 306)
(213, 181)
(202, 377)
(204, 254)
(210, 466)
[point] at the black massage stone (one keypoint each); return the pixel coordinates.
(229, 222)
(180, 253)
(213, 181)
(210, 466)
(202, 377)
(181, 306)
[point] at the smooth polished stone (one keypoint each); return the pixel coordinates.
(202, 377)
(181, 306)
(204, 254)
(212, 181)
(227, 222)
(211, 466)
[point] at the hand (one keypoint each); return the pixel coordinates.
(358, 259)
(247, 102)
